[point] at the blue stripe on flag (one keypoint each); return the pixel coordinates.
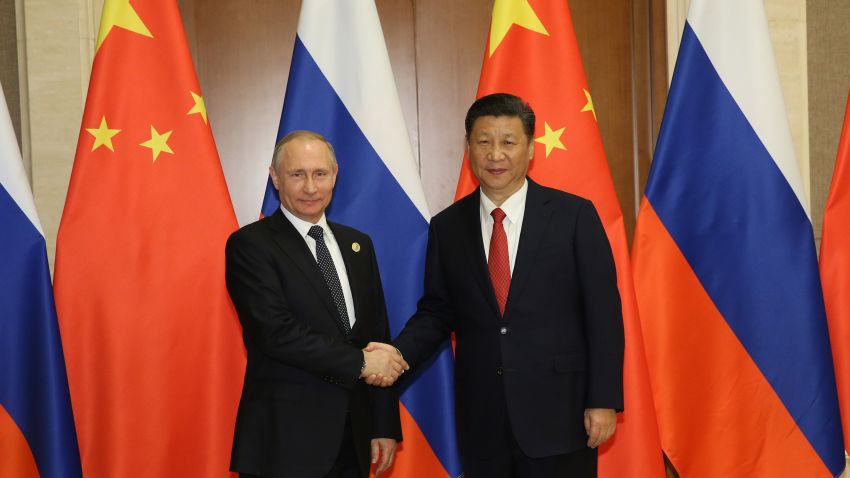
(368, 197)
(744, 232)
(33, 383)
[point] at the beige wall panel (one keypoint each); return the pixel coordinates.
(59, 49)
(9, 63)
(829, 82)
(787, 24)
(677, 13)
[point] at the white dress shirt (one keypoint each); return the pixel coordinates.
(514, 209)
(303, 227)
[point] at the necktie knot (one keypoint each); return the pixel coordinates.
(498, 215)
(316, 232)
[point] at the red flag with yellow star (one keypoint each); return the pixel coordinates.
(152, 344)
(532, 53)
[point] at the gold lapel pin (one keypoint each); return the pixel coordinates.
(355, 246)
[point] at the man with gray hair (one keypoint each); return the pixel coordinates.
(309, 297)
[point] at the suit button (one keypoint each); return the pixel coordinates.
(503, 331)
(499, 371)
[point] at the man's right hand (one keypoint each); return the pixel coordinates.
(384, 364)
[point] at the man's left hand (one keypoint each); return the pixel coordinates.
(600, 424)
(383, 452)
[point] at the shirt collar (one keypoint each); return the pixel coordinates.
(513, 206)
(302, 226)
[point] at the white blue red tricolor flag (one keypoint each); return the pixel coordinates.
(725, 267)
(37, 436)
(341, 86)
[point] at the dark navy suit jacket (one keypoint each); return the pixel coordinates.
(301, 378)
(559, 347)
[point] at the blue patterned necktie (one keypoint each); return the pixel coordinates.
(326, 264)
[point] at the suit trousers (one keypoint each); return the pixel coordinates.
(345, 465)
(513, 463)
(507, 460)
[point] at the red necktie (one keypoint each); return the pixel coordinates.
(498, 262)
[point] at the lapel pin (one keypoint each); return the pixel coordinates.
(355, 246)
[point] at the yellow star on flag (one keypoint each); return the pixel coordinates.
(589, 105)
(199, 108)
(158, 143)
(103, 135)
(507, 13)
(119, 13)
(552, 139)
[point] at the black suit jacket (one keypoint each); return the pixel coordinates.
(301, 379)
(559, 347)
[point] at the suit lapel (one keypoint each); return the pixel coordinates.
(293, 245)
(534, 223)
(474, 243)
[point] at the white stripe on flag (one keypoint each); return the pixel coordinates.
(336, 34)
(749, 74)
(13, 177)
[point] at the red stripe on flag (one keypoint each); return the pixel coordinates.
(717, 414)
(414, 456)
(15, 455)
(835, 270)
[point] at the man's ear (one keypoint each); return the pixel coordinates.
(275, 179)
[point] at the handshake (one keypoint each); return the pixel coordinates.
(383, 364)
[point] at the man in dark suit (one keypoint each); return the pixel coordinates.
(524, 276)
(309, 297)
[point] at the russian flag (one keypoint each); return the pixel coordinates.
(726, 270)
(37, 436)
(341, 85)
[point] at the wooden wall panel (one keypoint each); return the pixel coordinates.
(436, 48)
(617, 46)
(397, 18)
(243, 56)
(650, 80)
(450, 39)
(603, 30)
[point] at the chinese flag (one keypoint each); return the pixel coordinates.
(835, 270)
(152, 344)
(532, 53)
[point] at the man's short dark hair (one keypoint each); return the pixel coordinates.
(501, 104)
